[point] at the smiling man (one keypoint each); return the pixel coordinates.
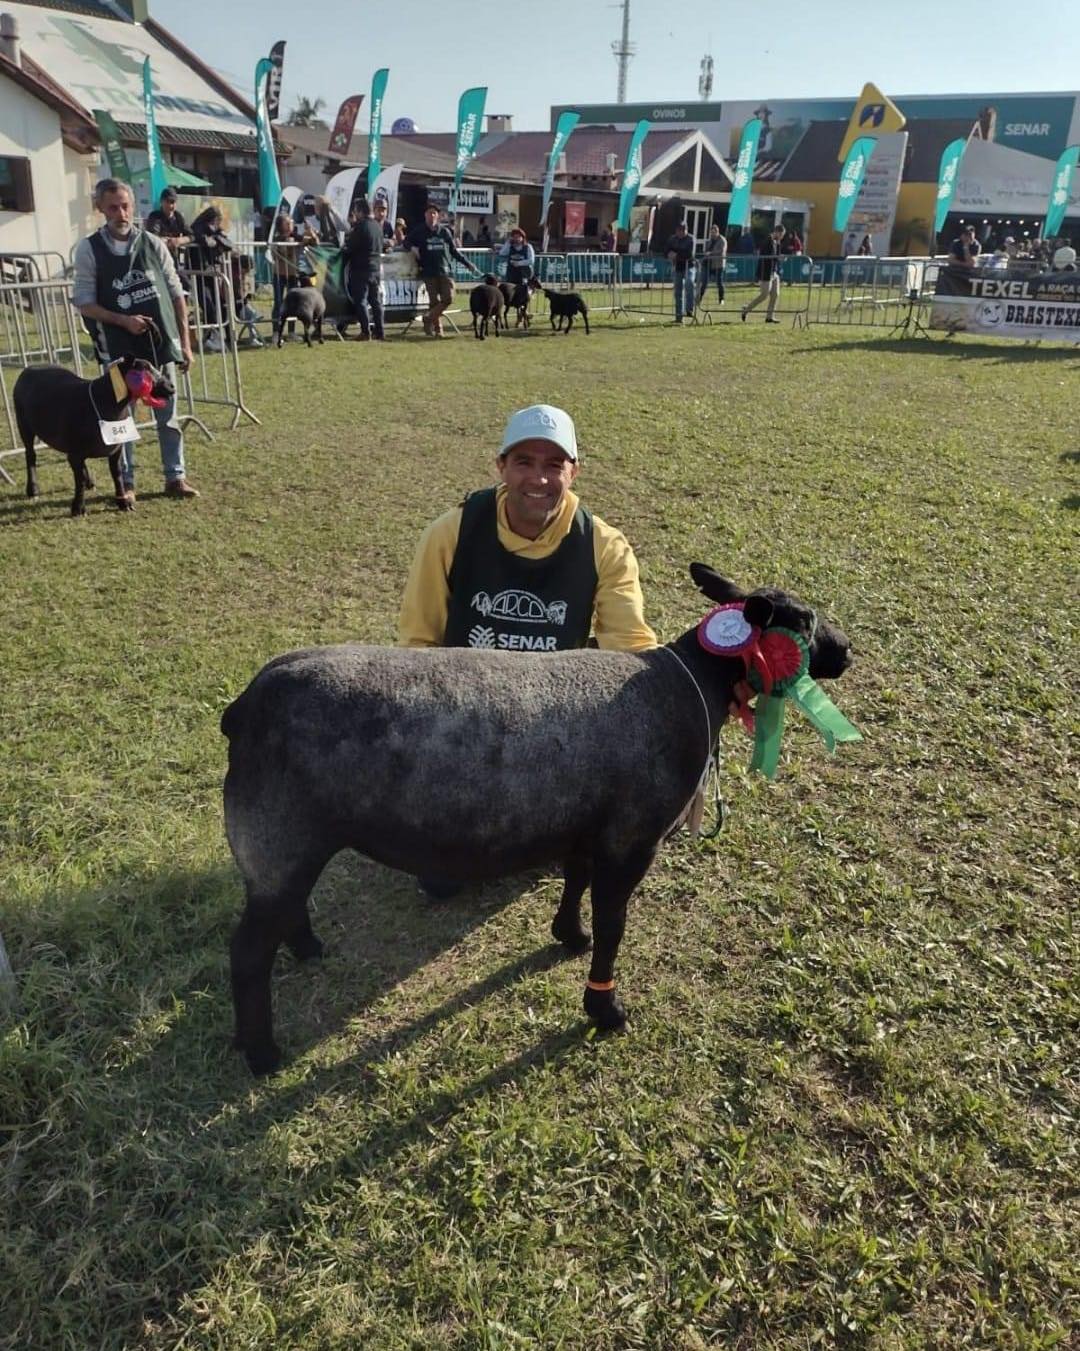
(524, 566)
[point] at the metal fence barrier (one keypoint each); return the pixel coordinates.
(38, 325)
(867, 292)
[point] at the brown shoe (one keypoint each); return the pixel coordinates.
(426, 321)
(180, 487)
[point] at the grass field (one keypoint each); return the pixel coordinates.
(845, 1112)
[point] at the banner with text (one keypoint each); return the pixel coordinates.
(273, 80)
(111, 144)
(948, 171)
(851, 180)
(1059, 193)
(374, 140)
(575, 219)
(470, 126)
(269, 182)
(1001, 304)
(739, 209)
(875, 207)
(631, 178)
(385, 189)
(566, 124)
(158, 181)
(343, 125)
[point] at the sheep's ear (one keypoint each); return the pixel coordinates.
(758, 610)
(710, 583)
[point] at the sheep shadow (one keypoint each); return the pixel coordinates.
(1070, 457)
(208, 1116)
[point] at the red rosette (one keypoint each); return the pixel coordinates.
(782, 656)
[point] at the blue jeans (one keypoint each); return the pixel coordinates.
(170, 438)
(685, 292)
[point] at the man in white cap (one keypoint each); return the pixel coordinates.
(524, 566)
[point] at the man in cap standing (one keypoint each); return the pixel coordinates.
(524, 566)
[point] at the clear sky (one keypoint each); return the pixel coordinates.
(533, 53)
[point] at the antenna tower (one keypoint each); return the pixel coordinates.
(624, 49)
(704, 84)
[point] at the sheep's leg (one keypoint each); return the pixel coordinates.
(88, 481)
(613, 882)
(585, 319)
(124, 500)
(28, 438)
(78, 502)
(566, 927)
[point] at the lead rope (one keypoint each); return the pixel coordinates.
(712, 761)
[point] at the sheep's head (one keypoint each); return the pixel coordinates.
(770, 607)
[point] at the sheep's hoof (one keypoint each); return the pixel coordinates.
(265, 1060)
(126, 501)
(606, 1009)
(306, 949)
(573, 937)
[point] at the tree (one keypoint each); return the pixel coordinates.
(305, 113)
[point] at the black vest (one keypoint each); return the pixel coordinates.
(500, 600)
(126, 285)
(517, 266)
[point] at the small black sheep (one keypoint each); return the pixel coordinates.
(306, 303)
(564, 305)
(485, 304)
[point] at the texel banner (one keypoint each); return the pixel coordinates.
(1007, 304)
(631, 178)
(470, 125)
(1059, 193)
(273, 81)
(112, 145)
(158, 181)
(948, 172)
(374, 140)
(343, 125)
(851, 179)
(565, 125)
(739, 210)
(269, 182)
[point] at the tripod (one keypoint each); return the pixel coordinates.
(911, 326)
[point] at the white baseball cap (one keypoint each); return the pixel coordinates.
(541, 422)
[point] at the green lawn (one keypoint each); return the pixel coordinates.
(845, 1112)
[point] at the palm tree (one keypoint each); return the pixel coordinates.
(305, 113)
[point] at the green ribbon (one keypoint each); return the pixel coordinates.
(831, 724)
(807, 695)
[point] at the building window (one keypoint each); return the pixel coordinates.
(16, 190)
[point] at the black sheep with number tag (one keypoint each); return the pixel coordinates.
(54, 405)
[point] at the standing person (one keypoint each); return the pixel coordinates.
(483, 238)
(768, 276)
(715, 263)
(524, 566)
(433, 247)
(680, 252)
(287, 242)
(520, 257)
(400, 234)
(866, 247)
(380, 215)
(127, 290)
(208, 256)
(608, 239)
(530, 540)
(363, 251)
(964, 250)
(168, 224)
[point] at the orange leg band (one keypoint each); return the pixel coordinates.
(600, 984)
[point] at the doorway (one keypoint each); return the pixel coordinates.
(698, 220)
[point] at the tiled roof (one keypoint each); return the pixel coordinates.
(193, 138)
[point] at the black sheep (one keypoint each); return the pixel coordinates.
(486, 304)
(564, 305)
(54, 405)
(306, 303)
